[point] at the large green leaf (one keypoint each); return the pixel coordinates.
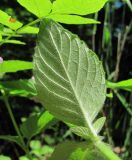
(14, 66)
(72, 19)
(69, 77)
(40, 8)
(80, 7)
(6, 20)
(2, 157)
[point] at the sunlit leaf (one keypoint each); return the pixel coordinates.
(8, 21)
(14, 66)
(40, 8)
(72, 19)
(80, 7)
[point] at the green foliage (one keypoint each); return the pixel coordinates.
(68, 81)
(35, 124)
(24, 88)
(6, 20)
(14, 66)
(79, 7)
(40, 8)
(125, 85)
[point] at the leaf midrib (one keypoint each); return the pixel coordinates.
(87, 122)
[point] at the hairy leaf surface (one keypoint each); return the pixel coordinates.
(69, 77)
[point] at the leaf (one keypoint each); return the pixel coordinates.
(66, 149)
(2, 157)
(72, 19)
(24, 88)
(69, 77)
(14, 42)
(79, 7)
(99, 123)
(14, 139)
(29, 30)
(40, 8)
(6, 20)
(35, 123)
(14, 66)
(125, 85)
(82, 132)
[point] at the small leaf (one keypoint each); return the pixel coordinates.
(125, 85)
(80, 7)
(66, 149)
(14, 66)
(40, 8)
(99, 123)
(82, 132)
(14, 139)
(6, 20)
(14, 42)
(72, 19)
(35, 123)
(29, 30)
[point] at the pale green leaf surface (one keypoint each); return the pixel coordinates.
(9, 138)
(14, 66)
(69, 76)
(40, 8)
(99, 123)
(5, 19)
(80, 7)
(72, 19)
(82, 132)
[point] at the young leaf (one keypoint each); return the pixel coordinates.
(99, 123)
(69, 77)
(80, 7)
(6, 20)
(14, 66)
(72, 19)
(40, 8)
(126, 85)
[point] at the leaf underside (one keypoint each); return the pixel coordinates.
(69, 77)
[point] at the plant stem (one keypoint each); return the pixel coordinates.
(24, 147)
(106, 151)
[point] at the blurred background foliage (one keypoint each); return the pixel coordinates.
(112, 41)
